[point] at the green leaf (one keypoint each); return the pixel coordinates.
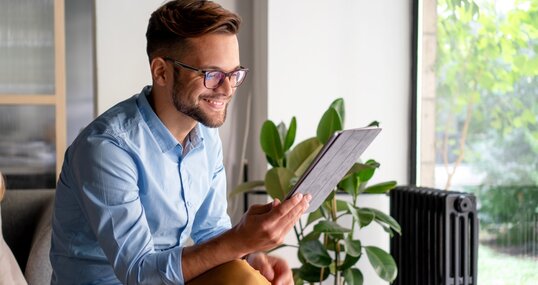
(341, 205)
(340, 108)
(270, 141)
(349, 261)
(311, 273)
(314, 216)
(353, 247)
(362, 216)
(367, 173)
(353, 276)
(329, 124)
(282, 131)
(290, 135)
(384, 218)
(374, 124)
(349, 185)
(314, 253)
(297, 277)
(247, 186)
(332, 243)
(302, 155)
(381, 187)
(272, 162)
(312, 236)
(387, 229)
(382, 262)
(277, 182)
(330, 227)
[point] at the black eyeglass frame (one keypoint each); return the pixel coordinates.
(204, 72)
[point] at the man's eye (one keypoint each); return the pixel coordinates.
(213, 75)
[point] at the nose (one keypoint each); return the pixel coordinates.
(226, 87)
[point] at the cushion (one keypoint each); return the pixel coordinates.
(38, 268)
(11, 273)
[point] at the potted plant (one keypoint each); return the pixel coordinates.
(325, 245)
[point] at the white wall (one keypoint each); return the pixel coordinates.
(121, 60)
(358, 50)
(320, 50)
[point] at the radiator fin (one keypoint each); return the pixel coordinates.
(439, 241)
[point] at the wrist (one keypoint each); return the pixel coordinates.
(237, 246)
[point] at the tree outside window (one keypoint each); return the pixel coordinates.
(479, 123)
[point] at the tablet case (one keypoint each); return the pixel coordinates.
(332, 163)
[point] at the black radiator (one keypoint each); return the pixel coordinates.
(439, 241)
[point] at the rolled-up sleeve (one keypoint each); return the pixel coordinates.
(109, 195)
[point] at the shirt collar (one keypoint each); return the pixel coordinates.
(161, 134)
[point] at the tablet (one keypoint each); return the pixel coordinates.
(332, 163)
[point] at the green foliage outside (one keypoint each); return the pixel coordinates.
(325, 246)
(487, 117)
(487, 88)
(509, 214)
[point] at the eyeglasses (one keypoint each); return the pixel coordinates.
(214, 78)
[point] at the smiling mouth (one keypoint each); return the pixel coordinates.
(216, 104)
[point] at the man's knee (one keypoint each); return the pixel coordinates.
(231, 273)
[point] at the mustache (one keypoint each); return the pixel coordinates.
(216, 97)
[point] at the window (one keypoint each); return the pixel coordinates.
(477, 122)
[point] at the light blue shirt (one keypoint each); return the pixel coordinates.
(129, 197)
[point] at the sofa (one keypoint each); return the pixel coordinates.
(26, 226)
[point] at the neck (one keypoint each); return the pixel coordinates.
(179, 124)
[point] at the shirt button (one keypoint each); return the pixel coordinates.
(189, 204)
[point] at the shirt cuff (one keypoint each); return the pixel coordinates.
(170, 267)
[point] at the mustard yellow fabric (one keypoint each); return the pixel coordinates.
(231, 273)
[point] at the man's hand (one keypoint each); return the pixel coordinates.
(264, 227)
(273, 268)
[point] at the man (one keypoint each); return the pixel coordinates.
(148, 174)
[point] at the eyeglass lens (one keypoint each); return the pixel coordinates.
(214, 79)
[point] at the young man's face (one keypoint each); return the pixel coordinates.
(189, 95)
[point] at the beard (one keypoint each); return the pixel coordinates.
(191, 108)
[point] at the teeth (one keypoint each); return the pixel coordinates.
(214, 102)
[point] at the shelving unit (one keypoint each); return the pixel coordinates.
(32, 88)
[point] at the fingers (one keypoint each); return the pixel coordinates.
(260, 262)
(282, 272)
(292, 209)
(291, 203)
(267, 225)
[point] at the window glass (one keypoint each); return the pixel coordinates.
(27, 47)
(27, 146)
(479, 123)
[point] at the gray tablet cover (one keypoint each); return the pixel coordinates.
(332, 163)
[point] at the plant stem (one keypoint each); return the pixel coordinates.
(296, 234)
(325, 243)
(353, 221)
(302, 228)
(337, 244)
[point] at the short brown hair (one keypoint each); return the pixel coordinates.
(173, 23)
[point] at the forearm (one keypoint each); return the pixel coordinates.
(261, 228)
(199, 258)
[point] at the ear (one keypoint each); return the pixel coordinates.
(159, 73)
